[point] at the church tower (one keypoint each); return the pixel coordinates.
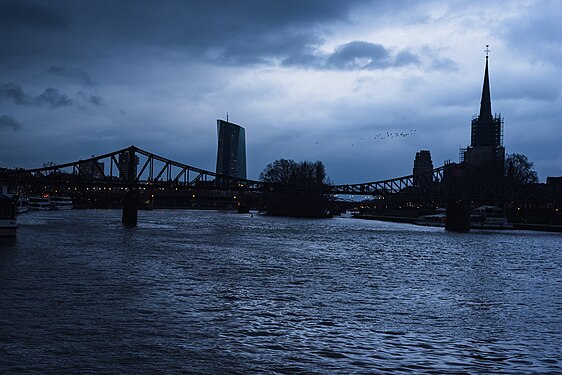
(486, 151)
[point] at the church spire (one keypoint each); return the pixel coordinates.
(485, 103)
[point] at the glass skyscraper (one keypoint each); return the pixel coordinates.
(231, 155)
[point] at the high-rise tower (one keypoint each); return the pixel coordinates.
(486, 151)
(422, 165)
(231, 155)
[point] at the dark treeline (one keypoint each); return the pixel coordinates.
(296, 188)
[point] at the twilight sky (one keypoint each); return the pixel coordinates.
(359, 85)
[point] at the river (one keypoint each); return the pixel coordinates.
(217, 292)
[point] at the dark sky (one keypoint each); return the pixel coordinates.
(360, 85)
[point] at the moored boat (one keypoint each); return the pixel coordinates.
(22, 204)
(433, 220)
(42, 203)
(489, 217)
(483, 217)
(62, 202)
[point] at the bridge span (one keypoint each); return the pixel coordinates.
(135, 171)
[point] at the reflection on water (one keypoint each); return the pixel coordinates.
(210, 292)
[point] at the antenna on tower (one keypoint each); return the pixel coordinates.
(226, 116)
(487, 50)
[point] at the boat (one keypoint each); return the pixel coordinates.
(349, 214)
(483, 217)
(489, 217)
(8, 223)
(46, 202)
(42, 203)
(437, 219)
(22, 204)
(62, 202)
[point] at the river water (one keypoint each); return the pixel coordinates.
(214, 292)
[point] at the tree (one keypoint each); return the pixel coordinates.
(296, 188)
(281, 171)
(519, 170)
(289, 172)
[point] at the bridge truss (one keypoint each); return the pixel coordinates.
(134, 168)
(129, 167)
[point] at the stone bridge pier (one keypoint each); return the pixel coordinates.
(130, 208)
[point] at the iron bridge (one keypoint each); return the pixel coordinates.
(133, 168)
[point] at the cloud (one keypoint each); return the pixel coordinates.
(359, 55)
(233, 33)
(54, 98)
(355, 55)
(92, 99)
(96, 100)
(443, 63)
(262, 48)
(406, 58)
(535, 32)
(283, 69)
(74, 74)
(13, 92)
(9, 122)
(14, 14)
(50, 97)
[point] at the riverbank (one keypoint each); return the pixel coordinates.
(412, 220)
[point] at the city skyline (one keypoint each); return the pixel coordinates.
(360, 85)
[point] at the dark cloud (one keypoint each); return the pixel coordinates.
(359, 55)
(14, 14)
(92, 99)
(12, 92)
(242, 32)
(406, 58)
(74, 74)
(96, 100)
(355, 55)
(307, 61)
(183, 63)
(262, 48)
(9, 122)
(50, 97)
(54, 98)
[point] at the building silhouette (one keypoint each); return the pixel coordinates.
(92, 169)
(124, 166)
(422, 165)
(231, 155)
(486, 151)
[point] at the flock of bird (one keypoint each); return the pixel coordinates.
(389, 135)
(394, 135)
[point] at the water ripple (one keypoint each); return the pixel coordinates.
(213, 292)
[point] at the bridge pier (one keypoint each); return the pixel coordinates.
(130, 208)
(243, 208)
(458, 217)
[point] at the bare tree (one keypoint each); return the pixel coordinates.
(519, 170)
(284, 171)
(307, 200)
